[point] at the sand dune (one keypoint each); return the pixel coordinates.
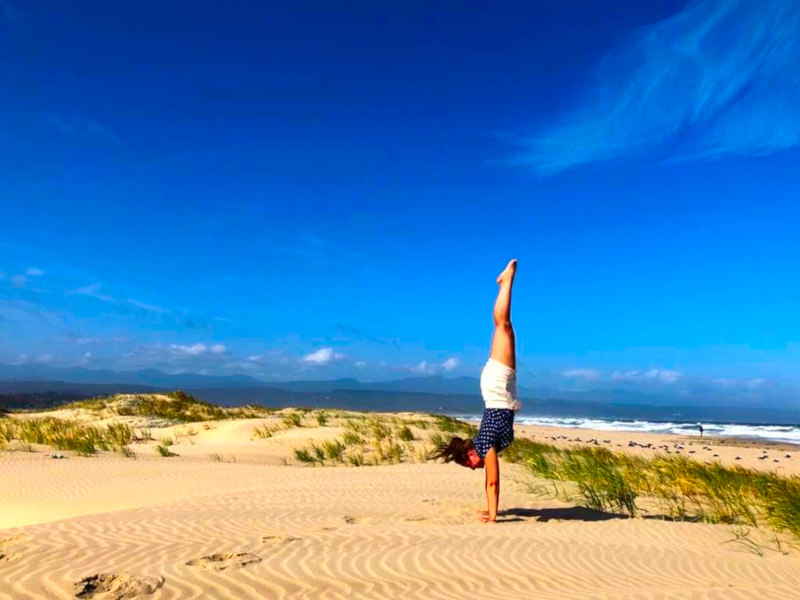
(192, 527)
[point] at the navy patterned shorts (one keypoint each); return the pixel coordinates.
(496, 431)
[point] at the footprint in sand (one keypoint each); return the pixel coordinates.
(219, 562)
(108, 586)
(5, 544)
(350, 520)
(279, 540)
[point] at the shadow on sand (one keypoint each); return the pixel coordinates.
(577, 513)
(572, 513)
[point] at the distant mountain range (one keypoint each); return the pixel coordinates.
(221, 389)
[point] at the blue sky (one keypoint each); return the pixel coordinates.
(303, 190)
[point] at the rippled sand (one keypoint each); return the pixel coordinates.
(194, 527)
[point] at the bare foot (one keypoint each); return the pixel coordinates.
(509, 272)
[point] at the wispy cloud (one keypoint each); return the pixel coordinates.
(588, 374)
(93, 291)
(718, 79)
(653, 375)
(197, 349)
(79, 127)
(323, 356)
(34, 272)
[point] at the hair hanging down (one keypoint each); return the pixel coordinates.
(456, 450)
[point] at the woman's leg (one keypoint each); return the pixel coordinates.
(503, 338)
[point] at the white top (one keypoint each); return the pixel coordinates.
(499, 386)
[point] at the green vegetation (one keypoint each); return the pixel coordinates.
(351, 438)
(381, 439)
(177, 406)
(681, 488)
(356, 459)
(453, 425)
(262, 432)
(163, 450)
(82, 438)
(304, 455)
(405, 434)
(322, 419)
(334, 450)
(292, 419)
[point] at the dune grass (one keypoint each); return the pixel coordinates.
(262, 432)
(292, 419)
(681, 488)
(82, 438)
(164, 450)
(380, 439)
(177, 406)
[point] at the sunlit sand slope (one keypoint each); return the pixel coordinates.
(192, 528)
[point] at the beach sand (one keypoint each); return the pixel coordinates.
(229, 518)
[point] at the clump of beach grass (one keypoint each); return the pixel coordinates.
(163, 450)
(334, 449)
(356, 459)
(292, 419)
(322, 418)
(452, 425)
(681, 488)
(304, 455)
(262, 432)
(404, 433)
(351, 438)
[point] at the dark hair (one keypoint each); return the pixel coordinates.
(456, 450)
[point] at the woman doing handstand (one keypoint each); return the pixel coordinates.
(499, 391)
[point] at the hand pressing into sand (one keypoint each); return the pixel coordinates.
(483, 517)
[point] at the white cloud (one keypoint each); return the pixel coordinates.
(740, 383)
(423, 368)
(588, 374)
(450, 364)
(663, 375)
(93, 291)
(34, 272)
(44, 358)
(657, 375)
(323, 356)
(146, 306)
(197, 349)
(360, 364)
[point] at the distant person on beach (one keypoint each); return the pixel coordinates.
(499, 391)
(700, 427)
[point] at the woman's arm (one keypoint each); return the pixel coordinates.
(492, 468)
